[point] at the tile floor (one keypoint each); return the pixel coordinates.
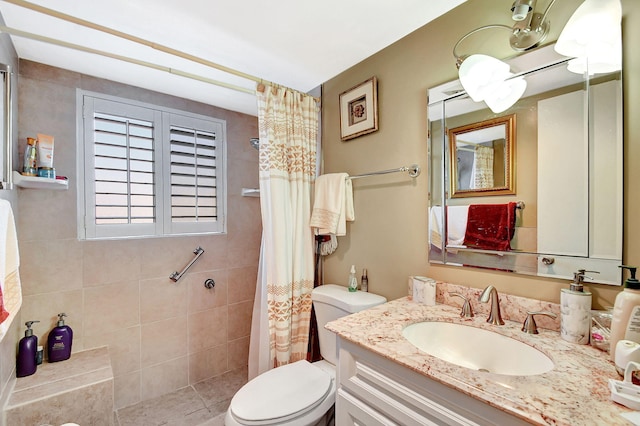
(202, 404)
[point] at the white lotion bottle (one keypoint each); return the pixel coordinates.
(626, 313)
(575, 311)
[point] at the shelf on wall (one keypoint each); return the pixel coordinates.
(34, 182)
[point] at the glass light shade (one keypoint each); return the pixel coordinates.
(479, 74)
(505, 94)
(593, 35)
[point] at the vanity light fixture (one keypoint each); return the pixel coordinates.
(593, 36)
(488, 79)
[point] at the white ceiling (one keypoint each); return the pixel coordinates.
(295, 43)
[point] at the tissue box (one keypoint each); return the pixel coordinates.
(423, 290)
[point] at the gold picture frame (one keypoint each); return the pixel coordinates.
(359, 110)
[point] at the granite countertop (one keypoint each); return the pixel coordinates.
(575, 392)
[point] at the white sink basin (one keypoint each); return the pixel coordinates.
(477, 349)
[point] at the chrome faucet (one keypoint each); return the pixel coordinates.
(494, 315)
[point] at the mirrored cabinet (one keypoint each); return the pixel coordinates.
(535, 189)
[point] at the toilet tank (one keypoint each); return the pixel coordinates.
(331, 302)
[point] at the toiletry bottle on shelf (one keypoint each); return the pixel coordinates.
(364, 281)
(30, 159)
(59, 341)
(353, 281)
(575, 311)
(27, 349)
(625, 312)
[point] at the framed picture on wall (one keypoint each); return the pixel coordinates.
(359, 110)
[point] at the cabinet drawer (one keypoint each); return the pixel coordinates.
(353, 412)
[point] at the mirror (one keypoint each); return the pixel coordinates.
(482, 158)
(563, 148)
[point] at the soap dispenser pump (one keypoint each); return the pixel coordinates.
(59, 341)
(575, 310)
(27, 349)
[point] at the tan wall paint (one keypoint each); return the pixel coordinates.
(389, 235)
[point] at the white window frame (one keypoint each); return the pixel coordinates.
(162, 118)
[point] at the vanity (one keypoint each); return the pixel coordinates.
(383, 379)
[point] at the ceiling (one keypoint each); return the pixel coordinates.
(298, 44)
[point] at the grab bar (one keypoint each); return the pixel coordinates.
(177, 275)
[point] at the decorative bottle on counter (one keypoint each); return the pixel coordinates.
(59, 341)
(575, 311)
(364, 281)
(353, 281)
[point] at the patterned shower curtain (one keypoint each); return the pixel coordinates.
(482, 167)
(288, 127)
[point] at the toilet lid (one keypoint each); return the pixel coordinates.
(281, 394)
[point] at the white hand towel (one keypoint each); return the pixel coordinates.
(333, 204)
(456, 224)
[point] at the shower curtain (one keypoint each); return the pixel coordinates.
(482, 168)
(288, 127)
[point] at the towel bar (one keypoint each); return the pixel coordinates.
(177, 275)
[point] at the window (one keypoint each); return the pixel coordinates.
(148, 171)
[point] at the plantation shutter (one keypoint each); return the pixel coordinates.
(149, 172)
(195, 161)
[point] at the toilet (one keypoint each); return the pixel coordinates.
(301, 393)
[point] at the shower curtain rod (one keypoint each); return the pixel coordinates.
(20, 33)
(69, 18)
(414, 172)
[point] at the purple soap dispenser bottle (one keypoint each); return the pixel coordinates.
(27, 349)
(59, 341)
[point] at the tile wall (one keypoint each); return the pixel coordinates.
(161, 335)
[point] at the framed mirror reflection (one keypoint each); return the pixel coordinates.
(482, 156)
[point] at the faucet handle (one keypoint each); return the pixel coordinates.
(467, 310)
(530, 326)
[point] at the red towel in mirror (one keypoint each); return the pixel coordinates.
(490, 226)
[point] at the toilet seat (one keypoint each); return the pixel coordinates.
(281, 394)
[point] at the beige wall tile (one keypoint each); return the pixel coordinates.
(46, 307)
(57, 225)
(114, 290)
(240, 319)
(215, 256)
(207, 329)
(163, 340)
(163, 378)
(126, 389)
(124, 348)
(50, 266)
(208, 363)
(162, 256)
(110, 261)
(111, 307)
(161, 298)
(238, 353)
(202, 298)
(242, 284)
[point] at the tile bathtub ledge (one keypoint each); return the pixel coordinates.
(574, 392)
